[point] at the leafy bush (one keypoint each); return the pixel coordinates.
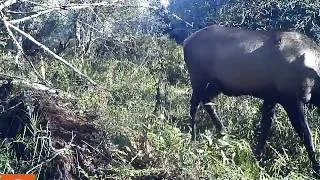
(285, 15)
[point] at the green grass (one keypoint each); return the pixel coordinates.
(147, 143)
(160, 143)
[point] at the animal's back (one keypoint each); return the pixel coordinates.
(243, 61)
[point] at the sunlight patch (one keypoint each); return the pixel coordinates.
(165, 3)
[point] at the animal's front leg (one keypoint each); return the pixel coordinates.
(268, 110)
(295, 111)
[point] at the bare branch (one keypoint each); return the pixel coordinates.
(21, 49)
(37, 4)
(52, 53)
(60, 8)
(7, 76)
(180, 19)
(26, 83)
(33, 16)
(7, 4)
(89, 5)
(22, 12)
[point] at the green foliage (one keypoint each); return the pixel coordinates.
(26, 153)
(159, 144)
(284, 15)
(142, 102)
(146, 144)
(192, 15)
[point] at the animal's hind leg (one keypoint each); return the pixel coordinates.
(211, 91)
(295, 111)
(194, 103)
(268, 110)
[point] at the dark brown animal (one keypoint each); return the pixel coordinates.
(278, 67)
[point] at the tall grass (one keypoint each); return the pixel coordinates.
(159, 144)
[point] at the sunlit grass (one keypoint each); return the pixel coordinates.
(162, 143)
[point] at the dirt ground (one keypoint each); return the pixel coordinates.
(76, 149)
(73, 129)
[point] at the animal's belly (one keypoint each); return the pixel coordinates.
(244, 86)
(245, 79)
(257, 80)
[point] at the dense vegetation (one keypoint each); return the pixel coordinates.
(140, 105)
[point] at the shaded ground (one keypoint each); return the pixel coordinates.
(64, 120)
(70, 128)
(72, 141)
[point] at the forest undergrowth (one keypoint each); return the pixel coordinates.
(135, 125)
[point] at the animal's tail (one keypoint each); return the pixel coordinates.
(187, 55)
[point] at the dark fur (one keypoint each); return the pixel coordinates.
(295, 85)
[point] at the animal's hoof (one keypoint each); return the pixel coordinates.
(257, 154)
(316, 169)
(222, 132)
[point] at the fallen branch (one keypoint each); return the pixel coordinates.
(19, 81)
(36, 86)
(16, 80)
